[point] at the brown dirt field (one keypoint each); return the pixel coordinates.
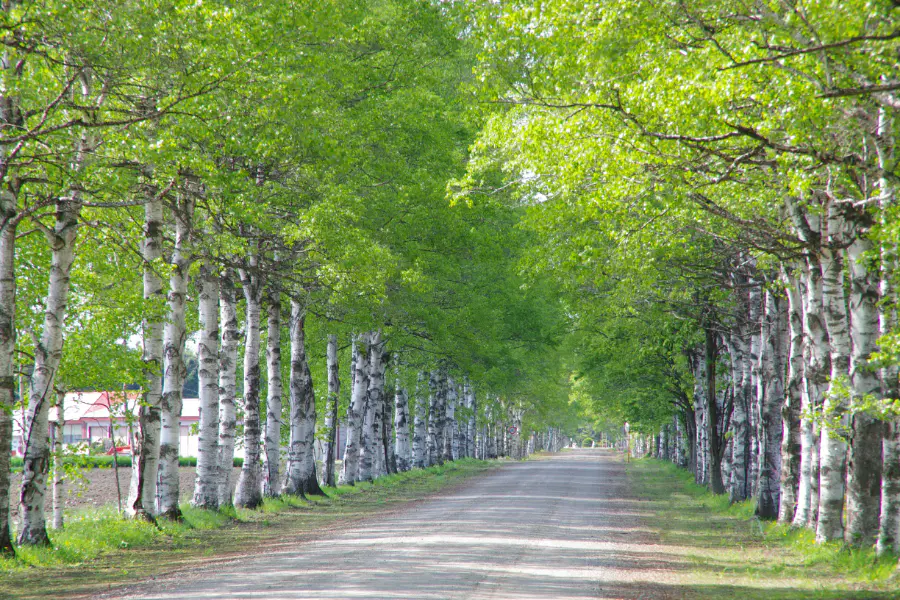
(98, 488)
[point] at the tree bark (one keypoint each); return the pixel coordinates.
(355, 411)
(231, 336)
(145, 463)
(866, 432)
(889, 521)
(757, 383)
(174, 336)
(248, 493)
(372, 455)
(331, 410)
(740, 447)
(816, 372)
(833, 449)
(795, 397)
(434, 420)
(716, 445)
(471, 427)
(300, 475)
(451, 428)
(420, 425)
(401, 426)
(272, 455)
(206, 484)
(771, 370)
(58, 477)
(47, 356)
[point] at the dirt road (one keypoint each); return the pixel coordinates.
(560, 528)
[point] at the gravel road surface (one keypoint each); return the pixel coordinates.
(560, 528)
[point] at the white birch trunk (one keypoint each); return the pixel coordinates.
(388, 440)
(833, 449)
(231, 336)
(206, 484)
(9, 116)
(145, 462)
(401, 426)
(448, 394)
(452, 430)
(740, 447)
(59, 500)
(757, 384)
(331, 411)
(420, 431)
(866, 432)
(372, 455)
(174, 336)
(816, 372)
(300, 474)
(699, 369)
(272, 455)
(248, 493)
(434, 420)
(769, 431)
(355, 411)
(795, 398)
(472, 405)
(47, 356)
(889, 521)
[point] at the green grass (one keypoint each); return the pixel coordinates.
(98, 548)
(730, 553)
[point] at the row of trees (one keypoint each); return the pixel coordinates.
(255, 178)
(715, 187)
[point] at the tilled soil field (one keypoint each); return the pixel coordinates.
(97, 487)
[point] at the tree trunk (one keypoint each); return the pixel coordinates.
(420, 431)
(145, 463)
(387, 437)
(716, 445)
(471, 428)
(355, 411)
(866, 432)
(370, 465)
(757, 383)
(816, 372)
(231, 336)
(300, 475)
(700, 406)
(740, 446)
(206, 484)
(889, 522)
(434, 420)
(401, 426)
(47, 356)
(272, 456)
(59, 500)
(248, 493)
(833, 450)
(174, 336)
(451, 430)
(794, 398)
(331, 410)
(772, 369)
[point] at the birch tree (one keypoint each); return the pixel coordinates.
(272, 455)
(174, 370)
(206, 485)
(331, 411)
(300, 474)
(231, 335)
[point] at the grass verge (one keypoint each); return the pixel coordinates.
(98, 549)
(725, 552)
